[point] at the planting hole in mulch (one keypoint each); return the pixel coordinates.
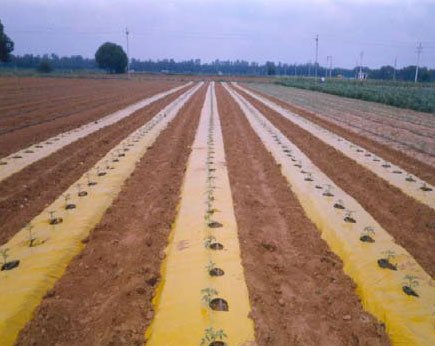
(349, 219)
(115, 160)
(397, 172)
(217, 343)
(384, 263)
(368, 155)
(359, 150)
(214, 224)
(82, 194)
(328, 194)
(216, 272)
(70, 206)
(409, 291)
(338, 206)
(425, 188)
(10, 265)
(2, 163)
(121, 155)
(101, 174)
(386, 165)
(216, 246)
(218, 304)
(92, 183)
(29, 151)
(376, 160)
(126, 149)
(38, 146)
(48, 143)
(55, 221)
(367, 239)
(410, 179)
(298, 165)
(17, 157)
(318, 187)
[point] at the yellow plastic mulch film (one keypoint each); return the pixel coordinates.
(203, 298)
(393, 174)
(391, 284)
(17, 161)
(37, 256)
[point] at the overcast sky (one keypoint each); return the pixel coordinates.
(252, 30)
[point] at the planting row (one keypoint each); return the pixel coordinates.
(23, 158)
(391, 284)
(203, 297)
(393, 174)
(37, 255)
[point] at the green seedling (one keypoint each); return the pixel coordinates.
(4, 254)
(31, 237)
(210, 266)
(389, 254)
(209, 240)
(339, 204)
(367, 234)
(327, 192)
(208, 294)
(411, 281)
(348, 216)
(308, 176)
(211, 335)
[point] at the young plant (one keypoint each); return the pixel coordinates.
(367, 234)
(348, 216)
(211, 335)
(339, 204)
(308, 176)
(4, 254)
(327, 191)
(411, 281)
(208, 294)
(385, 262)
(31, 237)
(389, 254)
(210, 266)
(209, 240)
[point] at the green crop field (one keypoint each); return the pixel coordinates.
(420, 96)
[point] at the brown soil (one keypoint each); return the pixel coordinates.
(298, 291)
(410, 164)
(32, 110)
(25, 194)
(411, 223)
(104, 298)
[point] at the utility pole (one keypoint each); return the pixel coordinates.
(419, 49)
(317, 53)
(395, 67)
(128, 51)
(330, 66)
(361, 55)
(328, 63)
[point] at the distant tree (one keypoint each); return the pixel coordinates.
(111, 57)
(45, 66)
(270, 68)
(6, 45)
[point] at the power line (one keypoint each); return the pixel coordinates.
(317, 53)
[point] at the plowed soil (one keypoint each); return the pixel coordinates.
(409, 162)
(25, 194)
(411, 223)
(298, 291)
(34, 109)
(104, 298)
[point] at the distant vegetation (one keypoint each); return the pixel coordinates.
(6, 45)
(420, 96)
(111, 57)
(238, 67)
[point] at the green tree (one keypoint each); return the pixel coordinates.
(45, 66)
(111, 57)
(6, 45)
(270, 68)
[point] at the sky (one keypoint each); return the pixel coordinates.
(379, 31)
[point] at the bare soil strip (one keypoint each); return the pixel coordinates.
(299, 293)
(104, 298)
(37, 126)
(411, 223)
(27, 193)
(410, 164)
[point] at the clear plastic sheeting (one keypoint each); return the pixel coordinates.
(393, 174)
(46, 246)
(17, 161)
(202, 270)
(391, 284)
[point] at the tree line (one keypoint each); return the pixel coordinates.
(225, 67)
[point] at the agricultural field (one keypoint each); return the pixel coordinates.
(194, 211)
(420, 97)
(405, 130)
